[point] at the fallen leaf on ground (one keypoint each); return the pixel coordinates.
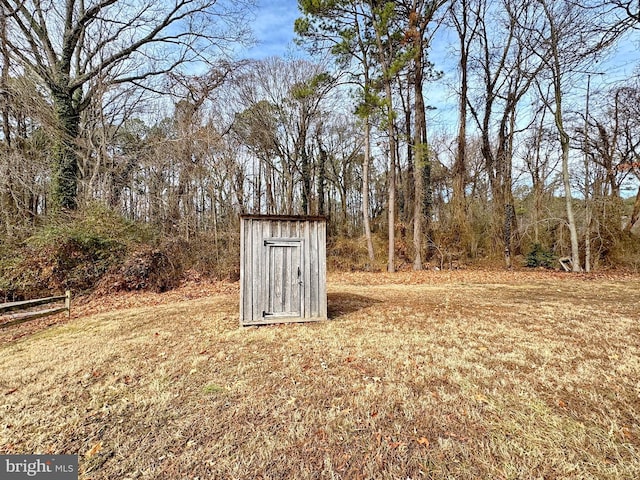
(481, 398)
(95, 449)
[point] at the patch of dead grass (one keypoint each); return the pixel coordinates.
(431, 375)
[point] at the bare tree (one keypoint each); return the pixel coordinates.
(565, 37)
(506, 71)
(461, 15)
(628, 12)
(6, 204)
(284, 103)
(613, 146)
(77, 46)
(540, 163)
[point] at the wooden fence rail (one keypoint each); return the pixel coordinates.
(25, 304)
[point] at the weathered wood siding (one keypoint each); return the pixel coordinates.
(269, 269)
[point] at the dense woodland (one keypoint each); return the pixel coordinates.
(134, 134)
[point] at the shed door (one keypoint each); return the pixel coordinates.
(284, 278)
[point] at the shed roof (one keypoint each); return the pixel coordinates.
(289, 218)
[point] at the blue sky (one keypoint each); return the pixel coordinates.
(273, 28)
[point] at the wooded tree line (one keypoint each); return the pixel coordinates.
(139, 105)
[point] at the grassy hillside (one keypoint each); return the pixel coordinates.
(495, 375)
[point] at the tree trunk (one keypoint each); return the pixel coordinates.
(289, 190)
(269, 179)
(391, 217)
(257, 204)
(322, 177)
(6, 200)
(306, 182)
(537, 210)
(587, 185)
(575, 249)
(386, 59)
(509, 220)
(422, 169)
(507, 186)
(406, 186)
(564, 144)
(587, 237)
(4, 78)
(459, 221)
(458, 213)
(65, 158)
(365, 189)
(391, 265)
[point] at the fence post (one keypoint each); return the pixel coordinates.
(67, 302)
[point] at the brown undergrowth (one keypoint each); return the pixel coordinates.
(493, 375)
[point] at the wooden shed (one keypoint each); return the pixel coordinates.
(282, 269)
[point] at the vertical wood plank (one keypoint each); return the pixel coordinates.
(319, 260)
(285, 266)
(257, 273)
(307, 284)
(268, 279)
(243, 259)
(300, 278)
(322, 267)
(271, 289)
(316, 271)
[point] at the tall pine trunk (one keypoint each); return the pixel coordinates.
(422, 169)
(365, 189)
(391, 265)
(418, 144)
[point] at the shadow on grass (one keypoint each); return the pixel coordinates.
(340, 304)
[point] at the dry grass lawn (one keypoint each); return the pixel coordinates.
(463, 375)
